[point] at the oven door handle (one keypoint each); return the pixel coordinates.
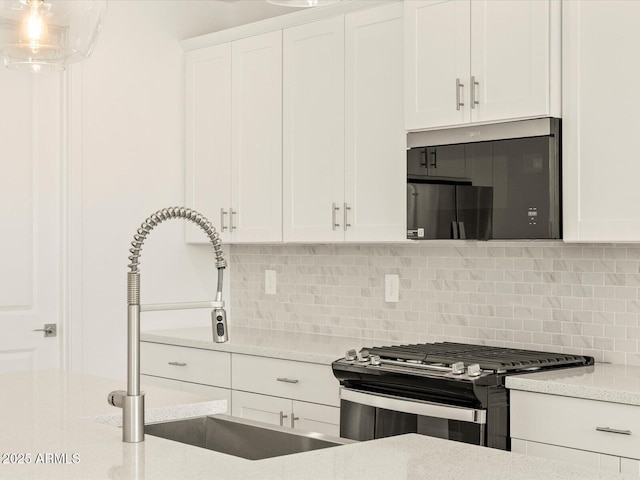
(417, 407)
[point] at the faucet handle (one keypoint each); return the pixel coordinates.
(116, 398)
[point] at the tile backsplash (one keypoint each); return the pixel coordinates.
(548, 295)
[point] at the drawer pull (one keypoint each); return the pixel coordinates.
(178, 364)
(613, 430)
(287, 380)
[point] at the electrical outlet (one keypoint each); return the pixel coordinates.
(270, 282)
(391, 288)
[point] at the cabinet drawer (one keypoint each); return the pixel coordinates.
(574, 422)
(599, 461)
(186, 364)
(285, 378)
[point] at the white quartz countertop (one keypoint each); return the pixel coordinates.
(605, 382)
(302, 347)
(49, 417)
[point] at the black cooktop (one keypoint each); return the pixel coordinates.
(498, 359)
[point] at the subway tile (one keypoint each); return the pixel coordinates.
(546, 294)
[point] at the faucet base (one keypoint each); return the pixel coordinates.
(133, 418)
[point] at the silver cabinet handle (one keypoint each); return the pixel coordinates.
(293, 420)
(613, 430)
(334, 215)
(223, 227)
(287, 380)
(178, 364)
(282, 417)
(231, 222)
(459, 87)
(346, 221)
(474, 84)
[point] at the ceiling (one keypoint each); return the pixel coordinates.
(199, 17)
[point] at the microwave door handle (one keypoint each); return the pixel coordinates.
(454, 229)
(463, 235)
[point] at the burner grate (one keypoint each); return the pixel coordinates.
(489, 358)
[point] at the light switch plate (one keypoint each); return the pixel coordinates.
(391, 288)
(270, 282)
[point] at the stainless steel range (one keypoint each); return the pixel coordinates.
(448, 390)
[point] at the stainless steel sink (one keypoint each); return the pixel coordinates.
(242, 438)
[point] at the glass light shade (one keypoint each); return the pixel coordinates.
(46, 35)
(302, 3)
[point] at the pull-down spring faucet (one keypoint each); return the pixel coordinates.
(132, 401)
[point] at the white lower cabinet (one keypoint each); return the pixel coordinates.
(286, 412)
(599, 461)
(293, 394)
(283, 392)
(213, 393)
(195, 365)
(587, 432)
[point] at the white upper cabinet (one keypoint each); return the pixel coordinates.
(256, 158)
(481, 60)
(344, 141)
(437, 40)
(208, 136)
(313, 130)
(510, 59)
(233, 138)
(375, 143)
(601, 113)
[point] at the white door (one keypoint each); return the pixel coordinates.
(31, 256)
(256, 170)
(437, 36)
(208, 138)
(312, 417)
(261, 408)
(510, 59)
(313, 131)
(375, 146)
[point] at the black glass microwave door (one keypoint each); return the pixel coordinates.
(474, 212)
(431, 207)
(521, 186)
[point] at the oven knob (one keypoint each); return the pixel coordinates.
(474, 370)
(457, 368)
(363, 356)
(374, 359)
(350, 356)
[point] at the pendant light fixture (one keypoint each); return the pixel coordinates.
(46, 35)
(302, 3)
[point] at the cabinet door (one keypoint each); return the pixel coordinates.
(312, 417)
(510, 59)
(630, 466)
(212, 393)
(601, 112)
(437, 38)
(375, 154)
(208, 137)
(607, 463)
(313, 130)
(261, 408)
(256, 203)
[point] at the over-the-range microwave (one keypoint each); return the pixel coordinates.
(494, 181)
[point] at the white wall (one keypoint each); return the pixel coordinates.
(127, 134)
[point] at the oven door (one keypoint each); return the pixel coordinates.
(365, 416)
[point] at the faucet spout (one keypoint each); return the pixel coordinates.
(132, 401)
